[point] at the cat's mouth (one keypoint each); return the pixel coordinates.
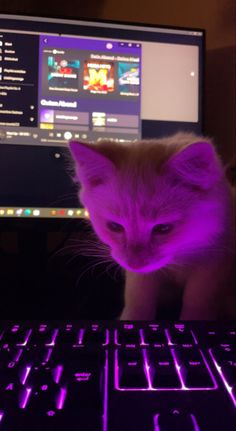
(150, 267)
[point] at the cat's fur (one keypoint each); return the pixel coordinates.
(177, 181)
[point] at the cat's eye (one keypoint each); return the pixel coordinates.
(115, 227)
(161, 228)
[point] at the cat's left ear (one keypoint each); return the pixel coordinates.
(198, 164)
(92, 167)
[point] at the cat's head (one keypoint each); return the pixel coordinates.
(150, 200)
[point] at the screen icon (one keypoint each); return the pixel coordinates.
(10, 211)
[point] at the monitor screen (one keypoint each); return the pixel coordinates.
(86, 80)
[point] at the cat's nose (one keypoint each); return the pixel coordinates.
(135, 266)
(136, 263)
(136, 256)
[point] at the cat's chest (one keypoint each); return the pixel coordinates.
(179, 276)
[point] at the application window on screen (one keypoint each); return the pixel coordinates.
(71, 88)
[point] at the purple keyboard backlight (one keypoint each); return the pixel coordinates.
(68, 368)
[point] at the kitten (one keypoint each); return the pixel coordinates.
(165, 210)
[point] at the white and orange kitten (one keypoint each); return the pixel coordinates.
(166, 211)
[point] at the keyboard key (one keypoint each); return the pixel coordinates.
(6, 355)
(9, 375)
(68, 336)
(81, 355)
(154, 335)
(128, 336)
(174, 421)
(83, 389)
(35, 355)
(131, 372)
(43, 336)
(16, 336)
(193, 368)
(180, 335)
(9, 397)
(225, 358)
(162, 368)
(229, 373)
(229, 337)
(216, 337)
(38, 377)
(94, 337)
(224, 354)
(42, 397)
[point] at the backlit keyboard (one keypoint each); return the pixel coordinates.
(117, 376)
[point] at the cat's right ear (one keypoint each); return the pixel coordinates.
(92, 167)
(197, 164)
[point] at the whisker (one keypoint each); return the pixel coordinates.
(63, 198)
(90, 266)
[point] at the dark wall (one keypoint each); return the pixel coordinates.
(69, 9)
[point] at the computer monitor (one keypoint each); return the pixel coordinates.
(86, 80)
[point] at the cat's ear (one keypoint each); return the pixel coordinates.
(198, 164)
(92, 167)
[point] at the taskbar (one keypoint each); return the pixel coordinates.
(37, 212)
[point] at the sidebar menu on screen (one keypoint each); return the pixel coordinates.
(18, 80)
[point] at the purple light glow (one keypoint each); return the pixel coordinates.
(116, 338)
(107, 339)
(194, 420)
(81, 336)
(146, 369)
(128, 326)
(49, 352)
(57, 372)
(168, 338)
(105, 400)
(61, 398)
(27, 336)
(54, 336)
(194, 337)
(156, 426)
(25, 397)
(178, 368)
(24, 375)
(18, 355)
(148, 377)
(1, 416)
(142, 338)
(228, 387)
